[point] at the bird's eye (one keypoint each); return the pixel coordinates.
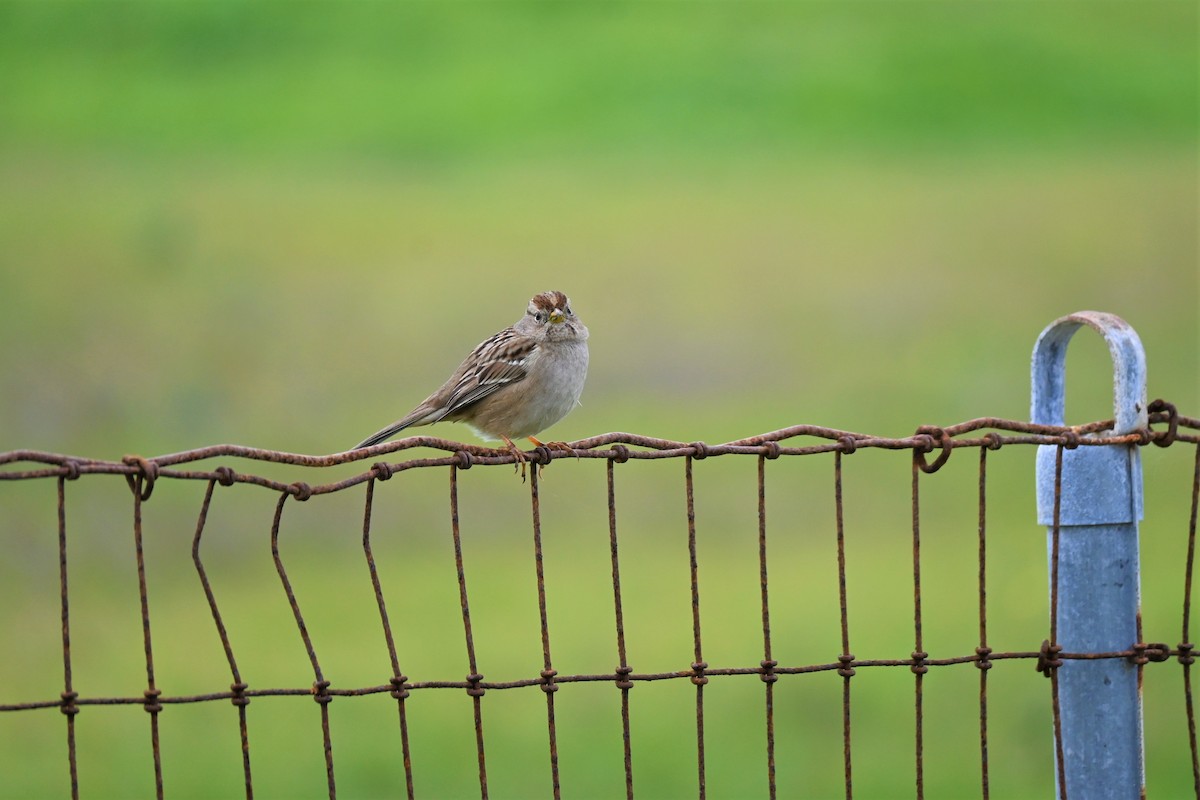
(570, 313)
(540, 317)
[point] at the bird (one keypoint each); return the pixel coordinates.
(514, 384)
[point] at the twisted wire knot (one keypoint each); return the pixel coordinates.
(382, 470)
(1166, 439)
(623, 674)
(151, 703)
(399, 690)
(473, 688)
(300, 490)
(698, 676)
(1185, 653)
(985, 657)
(147, 471)
(1048, 659)
(620, 453)
(68, 706)
(239, 694)
(846, 670)
(225, 476)
(932, 436)
(1144, 653)
(320, 692)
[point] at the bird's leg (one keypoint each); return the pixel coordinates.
(517, 454)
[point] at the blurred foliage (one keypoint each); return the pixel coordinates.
(281, 224)
(442, 81)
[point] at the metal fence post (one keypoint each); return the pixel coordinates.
(1098, 591)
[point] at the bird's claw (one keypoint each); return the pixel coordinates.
(520, 457)
(563, 446)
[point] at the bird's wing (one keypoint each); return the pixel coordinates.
(501, 360)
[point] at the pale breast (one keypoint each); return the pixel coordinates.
(545, 396)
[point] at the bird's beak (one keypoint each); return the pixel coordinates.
(557, 316)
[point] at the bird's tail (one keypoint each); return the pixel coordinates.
(383, 435)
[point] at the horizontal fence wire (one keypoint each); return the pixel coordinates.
(930, 448)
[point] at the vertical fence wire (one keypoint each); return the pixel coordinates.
(238, 687)
(623, 669)
(69, 695)
(474, 690)
(398, 680)
(919, 655)
(768, 663)
(699, 679)
(1186, 647)
(983, 651)
(1051, 648)
(846, 659)
(320, 690)
(549, 687)
(152, 693)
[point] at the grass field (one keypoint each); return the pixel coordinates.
(282, 226)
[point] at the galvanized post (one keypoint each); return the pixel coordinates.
(1098, 590)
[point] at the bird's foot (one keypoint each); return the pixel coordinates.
(520, 456)
(548, 446)
(566, 448)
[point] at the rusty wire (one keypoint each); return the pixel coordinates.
(983, 651)
(616, 448)
(1185, 648)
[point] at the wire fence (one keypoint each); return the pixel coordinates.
(930, 448)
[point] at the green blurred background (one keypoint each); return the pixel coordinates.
(281, 225)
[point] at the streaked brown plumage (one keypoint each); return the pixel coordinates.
(516, 382)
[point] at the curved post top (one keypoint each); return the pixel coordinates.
(1129, 370)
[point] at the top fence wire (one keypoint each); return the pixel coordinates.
(930, 448)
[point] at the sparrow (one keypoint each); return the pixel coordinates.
(515, 383)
